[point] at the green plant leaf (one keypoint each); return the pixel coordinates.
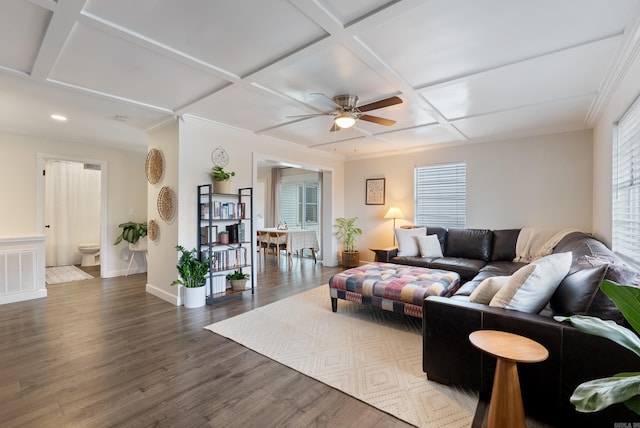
(627, 299)
(607, 329)
(599, 394)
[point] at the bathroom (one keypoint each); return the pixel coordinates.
(72, 213)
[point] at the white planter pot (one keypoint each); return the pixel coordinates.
(195, 297)
(222, 186)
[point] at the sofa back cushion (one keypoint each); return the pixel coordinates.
(469, 244)
(576, 292)
(504, 245)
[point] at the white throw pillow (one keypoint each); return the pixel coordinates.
(530, 288)
(408, 241)
(429, 246)
(488, 288)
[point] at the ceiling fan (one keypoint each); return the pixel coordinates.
(347, 111)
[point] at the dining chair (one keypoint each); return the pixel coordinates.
(277, 244)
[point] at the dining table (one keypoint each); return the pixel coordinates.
(295, 240)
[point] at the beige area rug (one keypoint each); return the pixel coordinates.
(372, 355)
(58, 274)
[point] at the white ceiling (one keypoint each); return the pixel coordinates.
(467, 70)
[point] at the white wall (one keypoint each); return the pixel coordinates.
(535, 181)
(624, 95)
(19, 176)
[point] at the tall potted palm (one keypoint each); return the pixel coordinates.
(346, 232)
(193, 272)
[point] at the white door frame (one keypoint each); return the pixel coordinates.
(40, 194)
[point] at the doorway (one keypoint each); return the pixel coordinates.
(71, 212)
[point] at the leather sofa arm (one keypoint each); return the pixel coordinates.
(574, 357)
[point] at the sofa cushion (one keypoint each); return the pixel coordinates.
(467, 268)
(577, 290)
(488, 288)
(408, 240)
(429, 246)
(469, 244)
(504, 244)
(440, 232)
(531, 287)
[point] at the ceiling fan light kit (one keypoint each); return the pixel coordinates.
(345, 120)
(347, 111)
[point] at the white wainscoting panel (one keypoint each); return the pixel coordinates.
(22, 275)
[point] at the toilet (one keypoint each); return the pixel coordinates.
(90, 254)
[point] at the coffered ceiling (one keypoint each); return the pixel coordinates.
(466, 70)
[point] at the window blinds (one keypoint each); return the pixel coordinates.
(441, 195)
(626, 185)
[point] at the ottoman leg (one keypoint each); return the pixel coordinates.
(334, 304)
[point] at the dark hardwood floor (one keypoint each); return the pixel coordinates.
(104, 353)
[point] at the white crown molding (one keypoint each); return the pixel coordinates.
(622, 61)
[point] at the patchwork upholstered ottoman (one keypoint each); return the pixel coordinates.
(396, 288)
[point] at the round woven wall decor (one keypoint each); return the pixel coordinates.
(154, 166)
(166, 203)
(152, 230)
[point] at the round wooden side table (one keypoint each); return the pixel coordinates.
(505, 408)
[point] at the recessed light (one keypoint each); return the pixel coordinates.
(58, 117)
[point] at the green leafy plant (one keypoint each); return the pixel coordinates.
(192, 271)
(237, 275)
(599, 394)
(219, 174)
(346, 232)
(131, 232)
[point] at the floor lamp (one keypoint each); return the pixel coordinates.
(394, 213)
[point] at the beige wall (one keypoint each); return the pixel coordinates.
(535, 181)
(162, 256)
(19, 177)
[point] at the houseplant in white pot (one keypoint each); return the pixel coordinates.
(346, 232)
(193, 272)
(238, 280)
(221, 179)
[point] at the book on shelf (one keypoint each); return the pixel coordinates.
(219, 283)
(208, 235)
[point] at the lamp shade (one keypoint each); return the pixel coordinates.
(345, 120)
(394, 213)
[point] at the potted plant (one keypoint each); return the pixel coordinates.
(346, 232)
(598, 394)
(131, 232)
(221, 179)
(238, 280)
(193, 272)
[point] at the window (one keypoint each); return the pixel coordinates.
(441, 195)
(299, 204)
(626, 185)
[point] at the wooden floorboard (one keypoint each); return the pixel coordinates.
(105, 353)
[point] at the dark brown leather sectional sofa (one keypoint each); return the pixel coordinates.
(574, 357)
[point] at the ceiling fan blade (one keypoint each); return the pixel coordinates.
(308, 115)
(380, 104)
(334, 127)
(378, 120)
(328, 101)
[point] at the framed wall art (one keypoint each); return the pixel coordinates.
(375, 191)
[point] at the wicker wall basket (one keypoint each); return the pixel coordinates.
(154, 166)
(166, 203)
(153, 230)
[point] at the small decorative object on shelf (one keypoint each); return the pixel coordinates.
(224, 235)
(238, 280)
(221, 179)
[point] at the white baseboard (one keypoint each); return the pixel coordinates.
(168, 297)
(19, 297)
